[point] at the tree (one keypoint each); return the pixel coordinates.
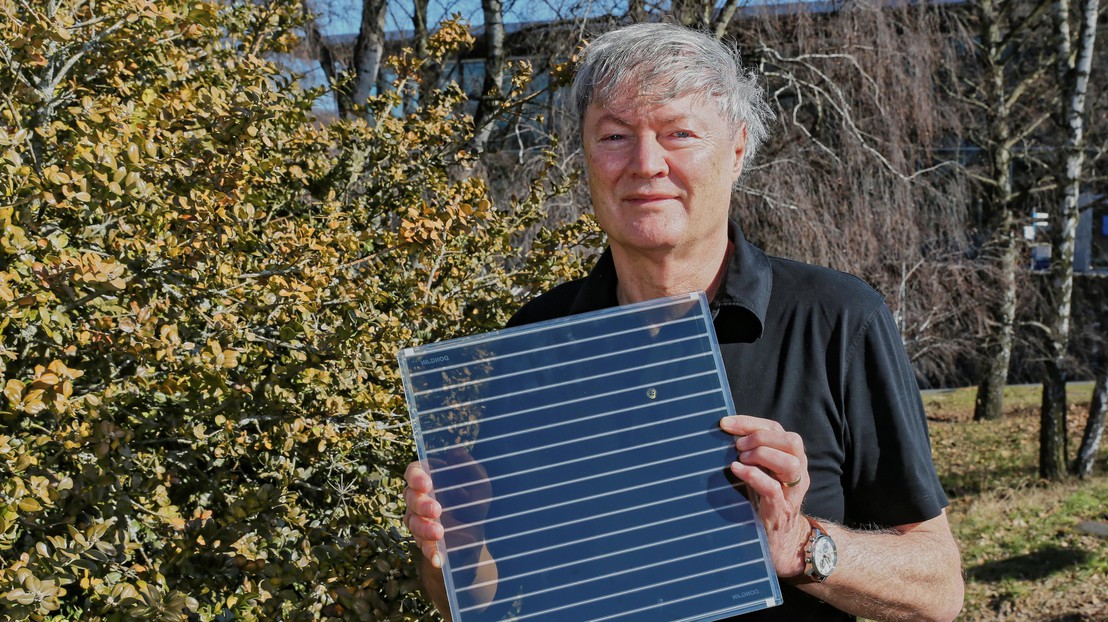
(495, 63)
(355, 77)
(1011, 73)
(369, 50)
(1075, 58)
(845, 181)
(1098, 417)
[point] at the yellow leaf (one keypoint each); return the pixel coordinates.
(32, 401)
(13, 390)
(29, 504)
(49, 379)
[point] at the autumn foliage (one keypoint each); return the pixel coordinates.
(202, 293)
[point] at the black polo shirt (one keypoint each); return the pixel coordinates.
(818, 351)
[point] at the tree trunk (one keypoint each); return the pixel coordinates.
(693, 13)
(1053, 440)
(430, 70)
(369, 49)
(326, 57)
(989, 404)
(998, 345)
(491, 90)
(1094, 427)
(724, 19)
(1073, 74)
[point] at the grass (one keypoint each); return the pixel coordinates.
(1022, 551)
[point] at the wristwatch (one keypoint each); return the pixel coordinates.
(820, 555)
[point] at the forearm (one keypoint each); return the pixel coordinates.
(481, 584)
(909, 574)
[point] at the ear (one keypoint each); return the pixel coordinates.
(740, 153)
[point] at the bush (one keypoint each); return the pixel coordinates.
(203, 291)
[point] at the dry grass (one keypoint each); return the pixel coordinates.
(1024, 557)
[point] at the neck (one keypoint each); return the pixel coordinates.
(644, 276)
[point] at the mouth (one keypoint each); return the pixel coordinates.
(645, 199)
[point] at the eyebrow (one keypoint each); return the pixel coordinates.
(623, 122)
(612, 118)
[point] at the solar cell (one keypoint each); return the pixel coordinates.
(582, 472)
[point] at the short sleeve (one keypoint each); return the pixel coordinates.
(890, 476)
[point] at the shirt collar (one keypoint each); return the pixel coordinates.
(743, 298)
(741, 302)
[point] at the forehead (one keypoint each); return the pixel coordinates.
(629, 108)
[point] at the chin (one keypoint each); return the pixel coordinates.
(647, 243)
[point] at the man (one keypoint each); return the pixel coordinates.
(832, 443)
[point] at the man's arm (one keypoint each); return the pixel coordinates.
(424, 518)
(910, 572)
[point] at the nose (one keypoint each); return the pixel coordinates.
(649, 159)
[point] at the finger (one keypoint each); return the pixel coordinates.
(422, 504)
(742, 425)
(758, 482)
(778, 451)
(785, 467)
(430, 551)
(417, 478)
(779, 438)
(425, 529)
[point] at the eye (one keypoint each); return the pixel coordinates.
(613, 137)
(682, 134)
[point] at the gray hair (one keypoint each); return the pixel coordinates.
(663, 61)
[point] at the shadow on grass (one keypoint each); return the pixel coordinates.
(1031, 566)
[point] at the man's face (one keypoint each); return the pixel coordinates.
(661, 174)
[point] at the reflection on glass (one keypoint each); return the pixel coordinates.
(582, 472)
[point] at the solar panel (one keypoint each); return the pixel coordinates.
(582, 471)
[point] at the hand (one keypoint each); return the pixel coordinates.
(770, 460)
(423, 513)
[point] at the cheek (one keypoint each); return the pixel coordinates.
(711, 174)
(604, 163)
(598, 162)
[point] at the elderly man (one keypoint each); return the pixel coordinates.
(831, 441)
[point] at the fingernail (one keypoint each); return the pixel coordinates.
(436, 560)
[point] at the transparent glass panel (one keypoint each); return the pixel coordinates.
(582, 471)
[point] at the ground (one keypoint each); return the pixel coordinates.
(1023, 552)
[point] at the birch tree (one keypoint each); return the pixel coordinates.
(354, 78)
(495, 63)
(999, 93)
(1074, 64)
(1098, 415)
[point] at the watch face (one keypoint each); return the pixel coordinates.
(824, 555)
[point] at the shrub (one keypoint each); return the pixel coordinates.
(203, 291)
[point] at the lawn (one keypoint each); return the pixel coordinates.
(1024, 555)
